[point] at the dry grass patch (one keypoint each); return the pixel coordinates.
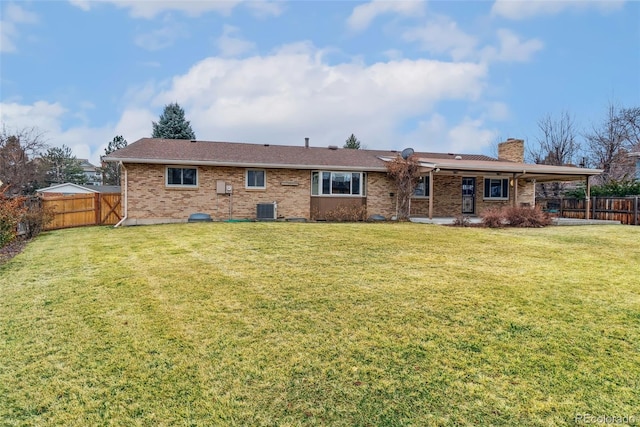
(327, 324)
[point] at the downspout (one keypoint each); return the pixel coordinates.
(125, 204)
(431, 194)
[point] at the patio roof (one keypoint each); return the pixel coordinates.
(540, 173)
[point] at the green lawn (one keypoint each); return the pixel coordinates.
(321, 324)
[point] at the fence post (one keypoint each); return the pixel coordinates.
(635, 211)
(593, 207)
(96, 206)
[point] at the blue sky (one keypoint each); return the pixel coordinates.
(454, 76)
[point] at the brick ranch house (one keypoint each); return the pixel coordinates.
(168, 180)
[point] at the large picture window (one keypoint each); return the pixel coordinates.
(327, 183)
(496, 188)
(256, 179)
(422, 189)
(182, 177)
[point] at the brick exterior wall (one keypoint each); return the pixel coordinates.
(512, 150)
(447, 200)
(150, 201)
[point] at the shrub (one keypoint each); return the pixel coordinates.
(509, 216)
(622, 188)
(36, 218)
(12, 210)
(347, 213)
(526, 217)
(493, 217)
(461, 221)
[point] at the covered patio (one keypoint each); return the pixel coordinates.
(458, 186)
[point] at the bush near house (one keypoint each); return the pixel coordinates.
(12, 210)
(510, 216)
(346, 213)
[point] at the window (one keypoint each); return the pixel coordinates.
(256, 179)
(422, 190)
(496, 188)
(182, 177)
(327, 183)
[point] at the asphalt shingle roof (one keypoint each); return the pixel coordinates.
(150, 150)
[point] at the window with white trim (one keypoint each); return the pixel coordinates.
(496, 188)
(181, 177)
(329, 183)
(422, 189)
(256, 179)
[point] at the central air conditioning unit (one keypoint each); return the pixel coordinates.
(267, 211)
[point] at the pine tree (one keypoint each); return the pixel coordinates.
(60, 166)
(111, 171)
(172, 124)
(352, 142)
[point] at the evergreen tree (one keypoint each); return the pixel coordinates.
(352, 142)
(60, 166)
(111, 170)
(172, 124)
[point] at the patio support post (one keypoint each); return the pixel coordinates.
(515, 191)
(431, 194)
(588, 196)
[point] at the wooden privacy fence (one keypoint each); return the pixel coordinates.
(83, 209)
(623, 209)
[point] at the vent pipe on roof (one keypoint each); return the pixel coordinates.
(193, 140)
(306, 143)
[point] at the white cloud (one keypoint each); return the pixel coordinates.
(162, 37)
(524, 9)
(434, 134)
(281, 98)
(85, 141)
(231, 45)
(511, 48)
(135, 123)
(265, 9)
(442, 35)
(12, 17)
(362, 15)
(293, 93)
(149, 9)
(497, 111)
(470, 136)
(41, 113)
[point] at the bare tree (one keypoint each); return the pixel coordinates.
(609, 142)
(406, 175)
(557, 145)
(19, 159)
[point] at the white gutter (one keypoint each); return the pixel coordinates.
(125, 205)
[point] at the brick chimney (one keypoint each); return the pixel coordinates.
(512, 150)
